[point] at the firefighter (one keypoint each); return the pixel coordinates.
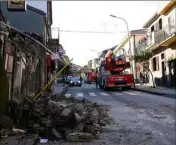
(141, 78)
(81, 79)
(96, 81)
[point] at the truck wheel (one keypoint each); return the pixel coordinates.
(129, 88)
(126, 88)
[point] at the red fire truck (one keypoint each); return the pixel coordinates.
(114, 72)
(91, 77)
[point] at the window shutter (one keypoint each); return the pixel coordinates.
(157, 63)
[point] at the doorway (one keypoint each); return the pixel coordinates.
(163, 78)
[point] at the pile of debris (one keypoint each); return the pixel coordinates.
(59, 117)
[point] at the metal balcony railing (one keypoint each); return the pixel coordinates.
(158, 36)
(151, 38)
(142, 44)
(146, 41)
(166, 32)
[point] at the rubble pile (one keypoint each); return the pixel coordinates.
(62, 118)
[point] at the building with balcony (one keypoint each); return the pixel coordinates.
(161, 40)
(95, 63)
(89, 65)
(123, 48)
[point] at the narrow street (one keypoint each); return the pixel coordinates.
(53, 58)
(139, 118)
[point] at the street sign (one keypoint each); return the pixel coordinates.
(61, 51)
(54, 56)
(16, 5)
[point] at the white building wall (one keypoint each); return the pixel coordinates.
(169, 51)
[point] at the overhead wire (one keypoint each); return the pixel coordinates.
(84, 31)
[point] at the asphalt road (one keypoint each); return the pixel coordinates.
(139, 118)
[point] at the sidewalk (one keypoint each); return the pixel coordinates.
(169, 92)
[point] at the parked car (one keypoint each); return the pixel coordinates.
(68, 79)
(75, 81)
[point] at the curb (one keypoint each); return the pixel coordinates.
(156, 93)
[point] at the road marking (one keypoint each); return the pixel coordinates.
(68, 95)
(117, 94)
(88, 86)
(104, 94)
(79, 95)
(138, 93)
(92, 94)
(130, 93)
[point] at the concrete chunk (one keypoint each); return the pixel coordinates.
(66, 112)
(79, 137)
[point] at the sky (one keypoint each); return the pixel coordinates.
(38, 4)
(94, 16)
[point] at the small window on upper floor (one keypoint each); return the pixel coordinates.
(152, 29)
(162, 56)
(160, 24)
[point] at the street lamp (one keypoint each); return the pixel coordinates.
(98, 52)
(128, 39)
(127, 30)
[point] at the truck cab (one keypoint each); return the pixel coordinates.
(91, 77)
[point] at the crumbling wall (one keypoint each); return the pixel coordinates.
(4, 86)
(30, 82)
(18, 67)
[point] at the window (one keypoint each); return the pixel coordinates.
(155, 63)
(152, 29)
(162, 56)
(160, 24)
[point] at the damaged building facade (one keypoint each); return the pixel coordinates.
(24, 59)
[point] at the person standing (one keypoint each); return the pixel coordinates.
(80, 79)
(96, 81)
(141, 78)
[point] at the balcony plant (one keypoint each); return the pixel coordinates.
(142, 57)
